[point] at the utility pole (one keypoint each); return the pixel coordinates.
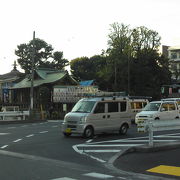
(128, 75)
(32, 80)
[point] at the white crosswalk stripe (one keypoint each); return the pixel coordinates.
(92, 175)
(2, 134)
(64, 178)
(98, 175)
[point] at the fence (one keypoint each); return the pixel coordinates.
(157, 125)
(14, 114)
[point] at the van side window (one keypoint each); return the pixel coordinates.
(112, 106)
(100, 107)
(165, 107)
(136, 105)
(172, 107)
(122, 106)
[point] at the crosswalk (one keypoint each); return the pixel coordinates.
(103, 150)
(93, 175)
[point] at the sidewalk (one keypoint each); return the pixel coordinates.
(162, 161)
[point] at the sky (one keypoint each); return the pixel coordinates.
(80, 27)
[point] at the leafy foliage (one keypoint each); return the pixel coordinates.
(131, 63)
(43, 56)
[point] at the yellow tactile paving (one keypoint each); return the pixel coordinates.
(162, 169)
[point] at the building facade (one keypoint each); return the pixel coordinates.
(7, 81)
(174, 60)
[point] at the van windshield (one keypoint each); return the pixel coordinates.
(83, 106)
(152, 107)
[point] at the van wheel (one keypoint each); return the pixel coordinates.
(67, 134)
(123, 129)
(88, 132)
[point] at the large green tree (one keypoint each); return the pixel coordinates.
(43, 56)
(136, 65)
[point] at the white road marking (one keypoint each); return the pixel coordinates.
(98, 175)
(102, 151)
(30, 135)
(54, 126)
(90, 140)
(11, 127)
(80, 148)
(63, 178)
(107, 145)
(42, 132)
(1, 134)
(17, 140)
(81, 152)
(24, 126)
(147, 140)
(168, 136)
(4, 146)
(122, 178)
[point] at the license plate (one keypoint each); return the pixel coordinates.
(68, 130)
(141, 119)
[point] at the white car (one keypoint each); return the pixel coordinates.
(155, 110)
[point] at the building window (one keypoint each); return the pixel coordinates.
(173, 55)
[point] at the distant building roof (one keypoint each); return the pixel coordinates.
(12, 75)
(174, 48)
(43, 76)
(87, 83)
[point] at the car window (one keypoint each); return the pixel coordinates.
(164, 107)
(112, 106)
(123, 106)
(100, 108)
(172, 107)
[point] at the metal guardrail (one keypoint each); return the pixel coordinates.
(157, 125)
(21, 114)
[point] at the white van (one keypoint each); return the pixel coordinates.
(97, 115)
(155, 110)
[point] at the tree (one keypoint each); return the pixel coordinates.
(58, 61)
(136, 51)
(85, 68)
(44, 56)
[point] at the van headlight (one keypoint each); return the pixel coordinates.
(82, 120)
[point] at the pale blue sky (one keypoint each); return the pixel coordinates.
(80, 27)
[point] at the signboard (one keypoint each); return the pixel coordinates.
(72, 93)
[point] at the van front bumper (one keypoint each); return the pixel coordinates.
(73, 128)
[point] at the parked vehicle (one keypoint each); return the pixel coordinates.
(155, 110)
(173, 99)
(101, 114)
(136, 106)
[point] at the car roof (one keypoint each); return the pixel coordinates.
(162, 101)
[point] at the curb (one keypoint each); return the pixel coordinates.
(144, 149)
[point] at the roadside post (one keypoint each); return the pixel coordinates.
(144, 126)
(150, 129)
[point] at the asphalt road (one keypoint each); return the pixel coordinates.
(40, 151)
